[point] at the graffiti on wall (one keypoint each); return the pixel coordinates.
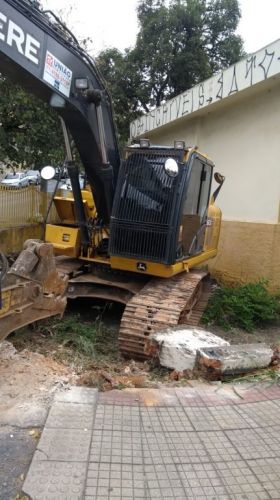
(242, 75)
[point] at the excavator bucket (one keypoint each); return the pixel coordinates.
(31, 289)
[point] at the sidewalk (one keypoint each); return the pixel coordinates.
(202, 442)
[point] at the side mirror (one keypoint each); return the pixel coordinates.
(47, 173)
(219, 178)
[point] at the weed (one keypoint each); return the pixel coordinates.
(71, 332)
(71, 339)
(244, 306)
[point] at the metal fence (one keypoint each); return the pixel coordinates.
(24, 206)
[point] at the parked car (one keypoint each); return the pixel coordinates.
(18, 179)
(67, 183)
(34, 176)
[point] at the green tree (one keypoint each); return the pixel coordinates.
(179, 43)
(30, 132)
(123, 83)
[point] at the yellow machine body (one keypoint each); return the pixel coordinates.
(66, 240)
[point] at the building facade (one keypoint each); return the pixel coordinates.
(234, 117)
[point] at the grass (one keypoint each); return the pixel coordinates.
(78, 342)
(244, 306)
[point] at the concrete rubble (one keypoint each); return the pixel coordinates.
(216, 362)
(176, 347)
(189, 350)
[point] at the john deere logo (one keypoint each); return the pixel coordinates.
(141, 266)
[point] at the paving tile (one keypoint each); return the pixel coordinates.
(202, 419)
(163, 481)
(117, 418)
(184, 443)
(75, 394)
(116, 447)
(239, 481)
(174, 420)
(68, 445)
(164, 419)
(70, 416)
(248, 393)
(270, 390)
(267, 471)
(218, 446)
(121, 398)
(155, 397)
(188, 396)
(256, 443)
(55, 480)
(172, 448)
(229, 417)
(116, 481)
(201, 481)
(263, 413)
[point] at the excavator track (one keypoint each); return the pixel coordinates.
(38, 285)
(162, 303)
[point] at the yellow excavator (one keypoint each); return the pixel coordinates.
(138, 228)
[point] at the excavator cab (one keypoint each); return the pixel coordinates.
(161, 216)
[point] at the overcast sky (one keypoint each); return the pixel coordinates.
(113, 23)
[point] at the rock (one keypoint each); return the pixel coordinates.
(176, 347)
(216, 362)
(7, 350)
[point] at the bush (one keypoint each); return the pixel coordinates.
(243, 306)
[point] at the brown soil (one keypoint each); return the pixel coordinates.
(27, 382)
(269, 335)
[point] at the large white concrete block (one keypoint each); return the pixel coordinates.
(234, 359)
(177, 347)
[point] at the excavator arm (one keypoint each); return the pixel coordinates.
(41, 54)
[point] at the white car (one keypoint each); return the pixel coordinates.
(34, 176)
(18, 179)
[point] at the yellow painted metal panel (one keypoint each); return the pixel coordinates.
(161, 270)
(6, 300)
(66, 240)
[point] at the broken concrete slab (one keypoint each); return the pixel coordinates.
(176, 347)
(216, 362)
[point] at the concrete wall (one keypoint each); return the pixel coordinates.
(12, 239)
(248, 252)
(243, 139)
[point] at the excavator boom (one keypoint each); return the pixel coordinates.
(41, 54)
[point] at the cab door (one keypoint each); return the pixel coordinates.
(194, 216)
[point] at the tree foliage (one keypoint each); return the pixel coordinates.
(180, 43)
(30, 133)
